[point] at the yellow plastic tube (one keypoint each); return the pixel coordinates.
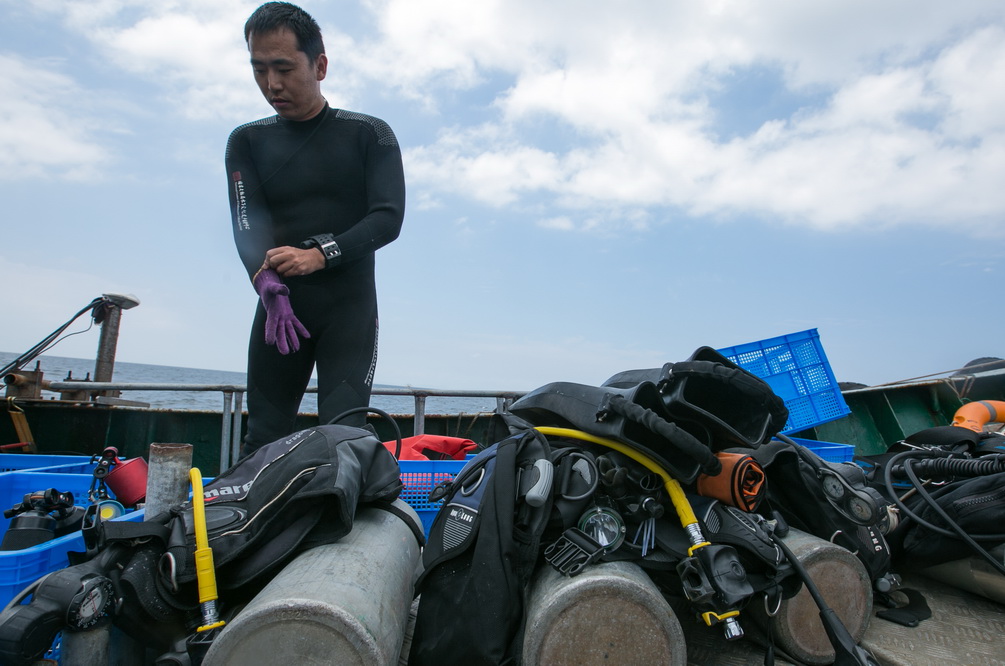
(677, 496)
(680, 502)
(204, 568)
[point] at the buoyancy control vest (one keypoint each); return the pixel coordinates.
(482, 549)
(290, 495)
(832, 501)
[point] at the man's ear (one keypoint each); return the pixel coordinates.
(321, 67)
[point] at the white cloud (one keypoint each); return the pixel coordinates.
(611, 108)
(909, 132)
(44, 127)
(191, 51)
(971, 76)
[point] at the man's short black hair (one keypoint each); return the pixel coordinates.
(277, 15)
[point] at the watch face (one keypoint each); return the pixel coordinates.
(90, 604)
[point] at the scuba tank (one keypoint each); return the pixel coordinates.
(612, 612)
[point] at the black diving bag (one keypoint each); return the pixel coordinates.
(288, 496)
(726, 404)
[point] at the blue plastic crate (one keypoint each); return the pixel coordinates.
(20, 568)
(419, 478)
(797, 370)
(829, 451)
(83, 467)
(22, 462)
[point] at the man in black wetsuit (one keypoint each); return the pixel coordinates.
(314, 192)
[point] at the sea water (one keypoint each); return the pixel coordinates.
(58, 368)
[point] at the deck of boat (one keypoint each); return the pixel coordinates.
(965, 628)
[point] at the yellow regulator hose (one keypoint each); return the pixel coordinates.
(680, 502)
(205, 571)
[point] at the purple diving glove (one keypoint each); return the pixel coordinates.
(281, 325)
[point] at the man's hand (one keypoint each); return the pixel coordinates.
(293, 261)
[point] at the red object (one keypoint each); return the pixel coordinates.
(432, 447)
(128, 480)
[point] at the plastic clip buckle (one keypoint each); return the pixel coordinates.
(90, 528)
(572, 551)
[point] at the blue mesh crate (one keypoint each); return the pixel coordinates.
(419, 478)
(829, 451)
(797, 370)
(83, 467)
(20, 568)
(22, 462)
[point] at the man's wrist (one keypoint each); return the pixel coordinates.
(328, 247)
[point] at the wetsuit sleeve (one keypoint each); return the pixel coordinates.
(250, 217)
(385, 192)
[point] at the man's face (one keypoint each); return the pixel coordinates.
(289, 80)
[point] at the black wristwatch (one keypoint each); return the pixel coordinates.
(329, 248)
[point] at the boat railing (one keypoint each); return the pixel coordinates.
(233, 402)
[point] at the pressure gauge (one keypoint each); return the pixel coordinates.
(605, 526)
(832, 486)
(91, 603)
(862, 510)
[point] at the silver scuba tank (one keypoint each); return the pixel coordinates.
(342, 603)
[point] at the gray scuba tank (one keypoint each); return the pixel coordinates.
(610, 612)
(341, 603)
(842, 580)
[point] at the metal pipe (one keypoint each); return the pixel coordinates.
(225, 455)
(420, 414)
(107, 342)
(73, 385)
(235, 442)
(167, 478)
(919, 381)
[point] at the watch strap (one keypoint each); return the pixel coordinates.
(329, 248)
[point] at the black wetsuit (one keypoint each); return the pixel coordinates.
(338, 173)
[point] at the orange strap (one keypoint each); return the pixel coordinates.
(742, 482)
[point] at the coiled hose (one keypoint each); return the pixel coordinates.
(939, 459)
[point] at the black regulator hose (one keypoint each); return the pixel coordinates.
(846, 651)
(904, 462)
(678, 437)
(49, 340)
(937, 458)
(379, 412)
(959, 467)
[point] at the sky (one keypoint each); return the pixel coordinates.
(591, 186)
